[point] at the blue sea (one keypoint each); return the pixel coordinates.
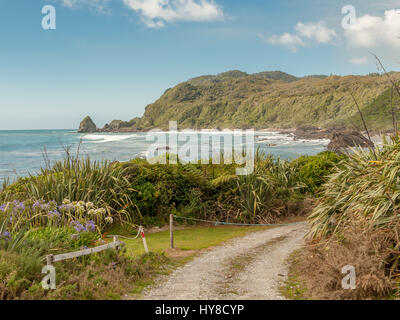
(21, 152)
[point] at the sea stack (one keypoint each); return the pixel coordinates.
(87, 126)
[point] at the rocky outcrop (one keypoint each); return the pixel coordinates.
(312, 133)
(87, 126)
(122, 126)
(343, 140)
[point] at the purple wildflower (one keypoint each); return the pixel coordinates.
(20, 206)
(78, 226)
(6, 236)
(37, 204)
(90, 226)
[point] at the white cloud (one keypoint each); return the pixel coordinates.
(360, 60)
(317, 31)
(373, 31)
(289, 40)
(306, 34)
(98, 5)
(156, 13)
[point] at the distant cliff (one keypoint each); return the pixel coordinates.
(275, 99)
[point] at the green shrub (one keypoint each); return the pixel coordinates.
(314, 170)
(64, 237)
(159, 188)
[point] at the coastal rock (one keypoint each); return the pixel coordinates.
(116, 125)
(121, 126)
(163, 148)
(87, 126)
(344, 140)
(312, 133)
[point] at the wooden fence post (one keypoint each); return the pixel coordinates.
(49, 259)
(171, 230)
(146, 249)
(115, 239)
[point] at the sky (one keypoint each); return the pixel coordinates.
(110, 58)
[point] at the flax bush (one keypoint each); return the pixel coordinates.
(100, 183)
(365, 186)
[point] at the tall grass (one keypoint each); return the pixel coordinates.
(262, 194)
(362, 188)
(102, 183)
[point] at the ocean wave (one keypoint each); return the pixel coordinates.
(315, 141)
(143, 154)
(7, 170)
(274, 139)
(106, 138)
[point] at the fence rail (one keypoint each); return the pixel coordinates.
(50, 259)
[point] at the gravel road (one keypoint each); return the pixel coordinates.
(252, 267)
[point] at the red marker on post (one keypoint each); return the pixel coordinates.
(146, 249)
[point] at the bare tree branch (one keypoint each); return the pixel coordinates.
(387, 74)
(361, 115)
(393, 112)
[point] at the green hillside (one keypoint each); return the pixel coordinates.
(268, 100)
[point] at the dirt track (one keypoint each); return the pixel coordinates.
(252, 267)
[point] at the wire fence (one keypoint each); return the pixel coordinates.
(237, 224)
(126, 238)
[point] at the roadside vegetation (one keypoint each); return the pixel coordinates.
(356, 218)
(74, 203)
(356, 223)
